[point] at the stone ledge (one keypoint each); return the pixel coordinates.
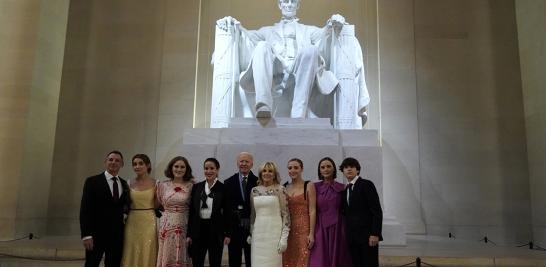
(434, 251)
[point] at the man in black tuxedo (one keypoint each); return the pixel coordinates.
(363, 216)
(210, 217)
(238, 187)
(104, 201)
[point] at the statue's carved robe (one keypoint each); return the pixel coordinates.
(324, 87)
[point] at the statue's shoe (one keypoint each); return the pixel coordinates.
(263, 112)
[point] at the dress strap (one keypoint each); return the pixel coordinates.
(305, 189)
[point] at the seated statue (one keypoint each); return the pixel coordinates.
(310, 71)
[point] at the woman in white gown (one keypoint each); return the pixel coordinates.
(270, 220)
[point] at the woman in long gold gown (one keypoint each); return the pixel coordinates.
(140, 241)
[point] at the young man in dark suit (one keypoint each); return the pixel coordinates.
(210, 213)
(104, 202)
(363, 216)
(238, 187)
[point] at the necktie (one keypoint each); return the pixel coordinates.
(245, 179)
(115, 189)
(349, 192)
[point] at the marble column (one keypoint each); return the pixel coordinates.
(32, 42)
(531, 20)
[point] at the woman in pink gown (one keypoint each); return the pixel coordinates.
(330, 248)
(174, 196)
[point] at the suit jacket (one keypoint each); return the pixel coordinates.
(363, 214)
(220, 211)
(234, 191)
(100, 215)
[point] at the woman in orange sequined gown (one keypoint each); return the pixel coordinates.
(302, 207)
(174, 196)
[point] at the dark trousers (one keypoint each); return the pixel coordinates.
(237, 245)
(112, 250)
(207, 241)
(363, 255)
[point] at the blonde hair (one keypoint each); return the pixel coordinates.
(272, 166)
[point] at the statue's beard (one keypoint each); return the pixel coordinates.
(289, 14)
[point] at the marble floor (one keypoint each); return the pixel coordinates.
(433, 250)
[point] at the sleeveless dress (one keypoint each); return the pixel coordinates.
(140, 242)
(270, 223)
(173, 225)
(297, 254)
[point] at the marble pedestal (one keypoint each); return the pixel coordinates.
(309, 140)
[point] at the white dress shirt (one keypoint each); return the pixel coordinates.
(353, 183)
(110, 182)
(207, 212)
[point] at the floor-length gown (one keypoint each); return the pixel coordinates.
(330, 249)
(140, 242)
(173, 225)
(270, 223)
(297, 253)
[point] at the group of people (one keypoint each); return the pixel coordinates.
(300, 223)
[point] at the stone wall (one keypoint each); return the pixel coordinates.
(32, 40)
(449, 104)
(472, 146)
(531, 21)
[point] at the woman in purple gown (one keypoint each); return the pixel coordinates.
(330, 248)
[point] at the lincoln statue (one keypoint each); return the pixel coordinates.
(289, 69)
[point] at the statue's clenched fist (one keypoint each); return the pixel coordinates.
(227, 22)
(336, 20)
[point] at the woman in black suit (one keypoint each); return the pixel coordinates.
(210, 214)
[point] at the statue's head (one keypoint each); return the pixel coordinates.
(289, 8)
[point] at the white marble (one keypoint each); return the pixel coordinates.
(281, 144)
(289, 69)
(280, 122)
(394, 233)
(359, 138)
(279, 136)
(202, 136)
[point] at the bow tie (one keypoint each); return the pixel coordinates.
(289, 20)
(204, 197)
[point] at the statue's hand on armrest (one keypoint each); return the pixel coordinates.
(226, 22)
(363, 113)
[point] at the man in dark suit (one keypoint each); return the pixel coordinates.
(239, 186)
(104, 201)
(363, 216)
(210, 212)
